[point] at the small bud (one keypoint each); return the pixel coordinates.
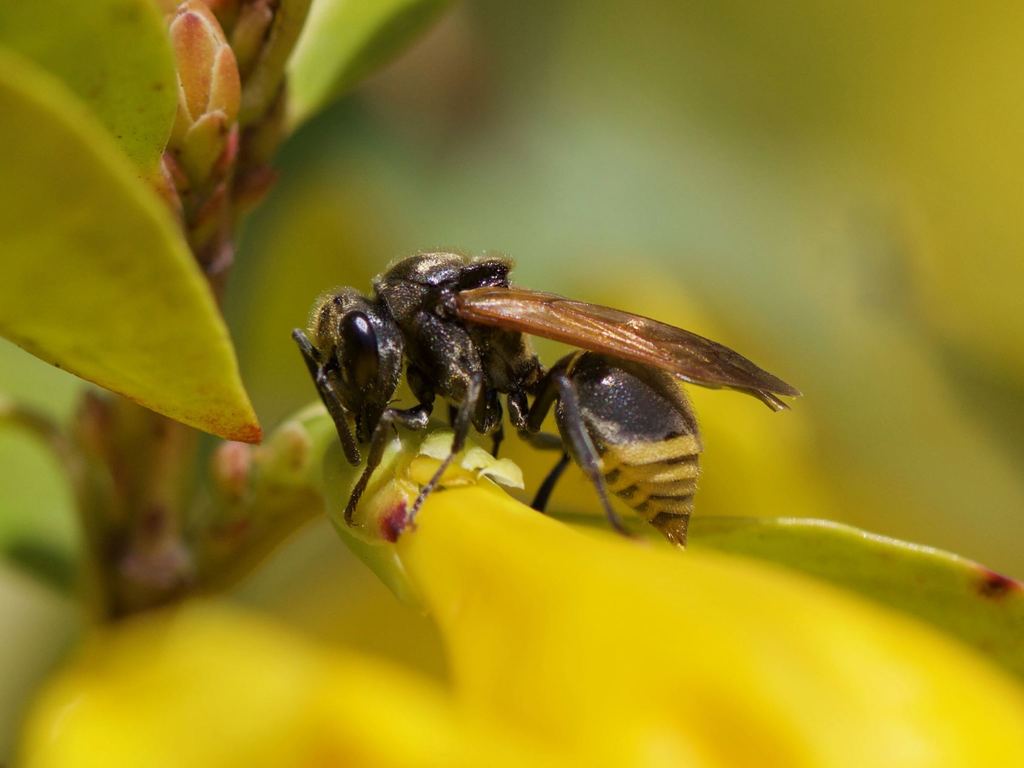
(204, 143)
(226, 11)
(265, 75)
(231, 468)
(285, 458)
(250, 32)
(209, 90)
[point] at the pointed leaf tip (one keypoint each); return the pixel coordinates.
(96, 277)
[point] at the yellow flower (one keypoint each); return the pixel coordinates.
(566, 647)
(630, 655)
(207, 686)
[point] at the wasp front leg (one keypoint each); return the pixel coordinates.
(460, 426)
(415, 418)
(326, 386)
(540, 501)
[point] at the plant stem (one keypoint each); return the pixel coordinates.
(138, 473)
(139, 468)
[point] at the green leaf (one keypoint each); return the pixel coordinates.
(113, 54)
(344, 40)
(96, 277)
(982, 608)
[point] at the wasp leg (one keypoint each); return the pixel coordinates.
(460, 425)
(325, 385)
(518, 415)
(528, 422)
(540, 501)
(498, 435)
(491, 417)
(497, 440)
(543, 441)
(577, 440)
(416, 418)
(518, 410)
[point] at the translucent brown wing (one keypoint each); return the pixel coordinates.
(621, 334)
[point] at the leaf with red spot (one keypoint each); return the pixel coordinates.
(982, 608)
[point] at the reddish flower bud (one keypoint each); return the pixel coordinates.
(209, 90)
(231, 470)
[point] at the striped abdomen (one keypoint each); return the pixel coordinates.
(657, 479)
(642, 425)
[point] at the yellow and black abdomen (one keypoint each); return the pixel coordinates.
(641, 423)
(657, 479)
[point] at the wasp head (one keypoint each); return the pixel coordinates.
(360, 345)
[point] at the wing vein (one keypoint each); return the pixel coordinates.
(621, 334)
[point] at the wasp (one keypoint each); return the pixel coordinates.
(458, 330)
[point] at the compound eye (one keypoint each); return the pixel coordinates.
(360, 357)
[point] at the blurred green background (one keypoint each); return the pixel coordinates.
(833, 189)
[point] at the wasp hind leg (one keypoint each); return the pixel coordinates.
(577, 441)
(540, 501)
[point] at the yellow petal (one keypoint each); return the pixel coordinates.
(627, 654)
(206, 687)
